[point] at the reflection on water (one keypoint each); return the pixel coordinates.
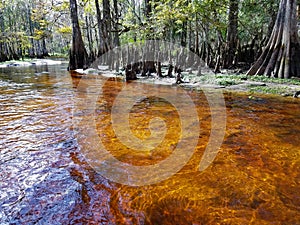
(44, 178)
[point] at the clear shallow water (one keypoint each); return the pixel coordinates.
(44, 178)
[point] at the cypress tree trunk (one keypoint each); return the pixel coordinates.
(3, 57)
(107, 25)
(44, 48)
(147, 8)
(104, 27)
(281, 56)
(116, 22)
(232, 37)
(78, 53)
(101, 47)
(88, 35)
(31, 50)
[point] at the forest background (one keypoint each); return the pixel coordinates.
(225, 34)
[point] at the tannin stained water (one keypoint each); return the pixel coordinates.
(44, 176)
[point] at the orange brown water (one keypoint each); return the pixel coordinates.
(45, 179)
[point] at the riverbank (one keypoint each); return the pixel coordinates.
(226, 80)
(32, 62)
(244, 83)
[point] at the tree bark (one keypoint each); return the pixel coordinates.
(31, 50)
(148, 8)
(281, 56)
(107, 27)
(3, 56)
(44, 48)
(116, 22)
(99, 23)
(231, 38)
(88, 34)
(183, 34)
(102, 37)
(78, 53)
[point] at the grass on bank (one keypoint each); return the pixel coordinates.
(253, 84)
(271, 90)
(232, 79)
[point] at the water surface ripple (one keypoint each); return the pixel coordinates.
(44, 178)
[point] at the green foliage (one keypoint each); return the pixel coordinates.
(61, 7)
(255, 17)
(170, 16)
(23, 41)
(65, 30)
(89, 7)
(31, 21)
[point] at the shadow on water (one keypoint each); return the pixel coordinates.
(44, 178)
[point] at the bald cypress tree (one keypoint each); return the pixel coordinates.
(281, 56)
(78, 53)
